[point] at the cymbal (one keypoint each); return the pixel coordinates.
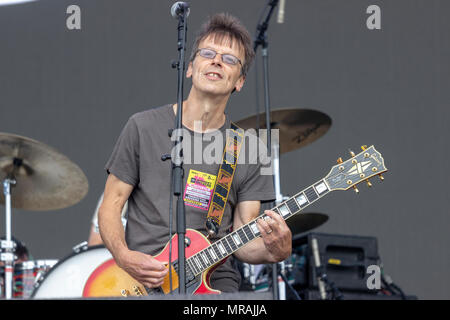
(45, 178)
(303, 222)
(297, 127)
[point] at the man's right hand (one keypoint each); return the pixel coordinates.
(143, 268)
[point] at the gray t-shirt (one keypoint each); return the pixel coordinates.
(136, 160)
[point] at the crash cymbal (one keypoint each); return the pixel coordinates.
(297, 127)
(45, 179)
(303, 222)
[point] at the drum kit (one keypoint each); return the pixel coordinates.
(37, 177)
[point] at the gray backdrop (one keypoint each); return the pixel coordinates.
(75, 89)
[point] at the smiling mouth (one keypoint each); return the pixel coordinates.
(213, 75)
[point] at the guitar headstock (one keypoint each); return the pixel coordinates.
(361, 167)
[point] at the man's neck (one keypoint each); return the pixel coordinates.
(203, 110)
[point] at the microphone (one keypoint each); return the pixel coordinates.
(280, 17)
(315, 249)
(179, 8)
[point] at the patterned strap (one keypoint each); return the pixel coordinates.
(233, 145)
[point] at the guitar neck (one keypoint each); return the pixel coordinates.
(232, 242)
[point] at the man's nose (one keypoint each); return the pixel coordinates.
(217, 59)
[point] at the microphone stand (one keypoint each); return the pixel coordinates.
(177, 158)
(323, 282)
(261, 39)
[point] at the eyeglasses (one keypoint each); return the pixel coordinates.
(211, 54)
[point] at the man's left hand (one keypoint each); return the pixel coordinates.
(276, 235)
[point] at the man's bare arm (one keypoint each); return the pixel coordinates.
(109, 215)
(275, 243)
(144, 268)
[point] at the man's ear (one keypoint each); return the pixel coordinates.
(240, 83)
(189, 70)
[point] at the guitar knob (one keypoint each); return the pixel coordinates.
(356, 189)
(125, 293)
(339, 160)
(364, 147)
(369, 184)
(352, 153)
(381, 177)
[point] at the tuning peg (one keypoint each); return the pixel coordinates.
(364, 147)
(356, 189)
(339, 160)
(351, 153)
(369, 184)
(381, 177)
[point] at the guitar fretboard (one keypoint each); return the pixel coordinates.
(219, 250)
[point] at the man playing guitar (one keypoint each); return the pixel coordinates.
(220, 59)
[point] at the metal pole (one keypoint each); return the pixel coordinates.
(8, 255)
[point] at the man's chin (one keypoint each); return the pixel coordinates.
(214, 91)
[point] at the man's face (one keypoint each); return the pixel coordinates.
(213, 75)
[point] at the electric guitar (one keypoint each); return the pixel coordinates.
(202, 257)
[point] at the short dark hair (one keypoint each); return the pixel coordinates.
(224, 25)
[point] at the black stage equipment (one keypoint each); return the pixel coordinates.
(342, 267)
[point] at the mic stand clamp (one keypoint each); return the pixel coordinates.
(330, 286)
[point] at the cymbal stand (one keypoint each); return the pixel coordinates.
(261, 39)
(7, 246)
(280, 266)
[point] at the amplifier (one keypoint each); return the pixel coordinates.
(345, 259)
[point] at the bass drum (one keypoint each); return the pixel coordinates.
(68, 277)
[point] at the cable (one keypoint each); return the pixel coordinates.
(286, 281)
(391, 286)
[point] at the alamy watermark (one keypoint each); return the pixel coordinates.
(373, 282)
(73, 22)
(373, 22)
(208, 148)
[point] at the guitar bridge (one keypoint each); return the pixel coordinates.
(137, 291)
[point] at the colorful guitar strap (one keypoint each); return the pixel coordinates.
(235, 138)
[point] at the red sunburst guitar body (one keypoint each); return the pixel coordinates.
(108, 280)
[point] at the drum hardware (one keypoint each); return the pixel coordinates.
(39, 175)
(40, 274)
(83, 246)
(27, 274)
(7, 255)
